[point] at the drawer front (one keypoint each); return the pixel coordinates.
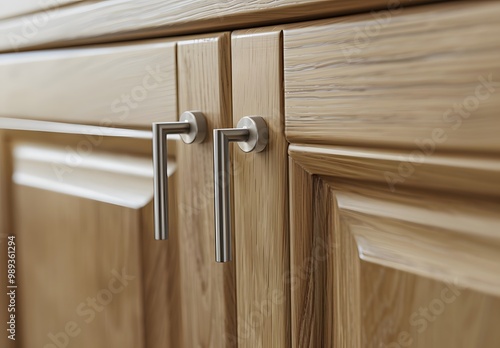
(426, 77)
(130, 84)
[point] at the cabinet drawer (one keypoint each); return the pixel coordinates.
(130, 84)
(426, 76)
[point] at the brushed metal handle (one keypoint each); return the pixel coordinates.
(252, 135)
(192, 127)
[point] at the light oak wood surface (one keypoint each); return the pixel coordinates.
(112, 85)
(36, 10)
(261, 194)
(208, 289)
(395, 79)
(311, 318)
(69, 171)
(70, 247)
(161, 278)
(69, 259)
(371, 266)
(19, 124)
(130, 19)
(122, 167)
(161, 265)
(396, 168)
(470, 316)
(451, 238)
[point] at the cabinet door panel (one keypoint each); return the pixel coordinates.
(87, 273)
(78, 232)
(400, 309)
(261, 194)
(377, 268)
(71, 250)
(208, 288)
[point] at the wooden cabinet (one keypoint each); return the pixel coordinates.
(370, 219)
(394, 179)
(91, 176)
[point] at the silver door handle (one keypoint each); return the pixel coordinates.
(192, 127)
(252, 135)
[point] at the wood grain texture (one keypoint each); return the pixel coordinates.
(440, 237)
(73, 250)
(159, 261)
(393, 304)
(398, 168)
(128, 147)
(71, 258)
(32, 9)
(409, 78)
(48, 167)
(68, 129)
(130, 19)
(261, 194)
(312, 320)
(208, 289)
(131, 84)
(370, 266)
(458, 244)
(161, 278)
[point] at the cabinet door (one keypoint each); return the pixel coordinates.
(132, 85)
(371, 268)
(208, 289)
(87, 272)
(261, 243)
(394, 178)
